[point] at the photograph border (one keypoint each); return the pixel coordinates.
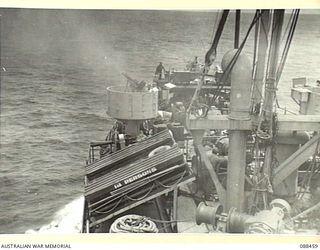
(85, 240)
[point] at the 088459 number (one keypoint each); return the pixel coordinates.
(313, 246)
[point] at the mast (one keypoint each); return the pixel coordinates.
(270, 87)
(274, 56)
(261, 58)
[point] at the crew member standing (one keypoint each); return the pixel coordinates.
(194, 64)
(160, 71)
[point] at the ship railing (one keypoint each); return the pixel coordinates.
(285, 111)
(95, 149)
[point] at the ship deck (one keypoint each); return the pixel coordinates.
(186, 215)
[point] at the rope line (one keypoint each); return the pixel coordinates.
(133, 224)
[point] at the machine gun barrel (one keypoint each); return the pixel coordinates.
(129, 78)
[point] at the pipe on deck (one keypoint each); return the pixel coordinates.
(239, 111)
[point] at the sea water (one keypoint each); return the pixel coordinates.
(55, 67)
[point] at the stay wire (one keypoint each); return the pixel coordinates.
(287, 45)
(288, 25)
(229, 68)
(215, 24)
(209, 58)
(260, 133)
(293, 20)
(266, 34)
(255, 46)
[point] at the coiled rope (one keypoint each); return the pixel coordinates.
(133, 224)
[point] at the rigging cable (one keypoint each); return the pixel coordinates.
(209, 58)
(255, 47)
(227, 72)
(263, 34)
(287, 45)
(265, 125)
(212, 52)
(288, 26)
(293, 20)
(215, 25)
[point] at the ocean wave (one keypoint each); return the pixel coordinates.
(56, 141)
(90, 117)
(30, 100)
(84, 93)
(13, 102)
(66, 220)
(40, 143)
(6, 181)
(10, 71)
(46, 125)
(6, 157)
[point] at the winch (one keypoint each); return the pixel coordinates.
(264, 222)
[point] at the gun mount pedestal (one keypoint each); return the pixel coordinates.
(131, 108)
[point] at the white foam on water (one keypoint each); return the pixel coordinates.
(66, 220)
